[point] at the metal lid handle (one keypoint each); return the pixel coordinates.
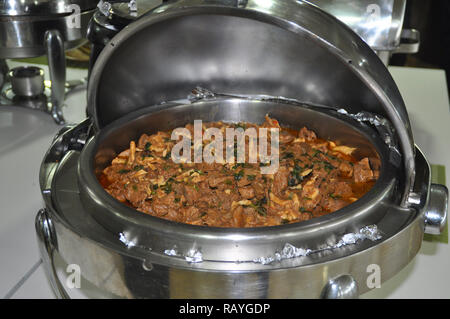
(436, 212)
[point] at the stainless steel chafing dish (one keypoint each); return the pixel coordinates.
(286, 58)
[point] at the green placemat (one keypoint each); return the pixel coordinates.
(438, 177)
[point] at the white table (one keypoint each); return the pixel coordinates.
(25, 136)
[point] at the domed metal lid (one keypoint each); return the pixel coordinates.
(43, 7)
(257, 47)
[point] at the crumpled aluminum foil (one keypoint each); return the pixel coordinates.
(369, 232)
(382, 125)
(192, 256)
(124, 238)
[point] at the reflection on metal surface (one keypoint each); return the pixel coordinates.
(342, 287)
(378, 22)
(371, 20)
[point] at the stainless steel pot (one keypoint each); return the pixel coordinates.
(23, 25)
(32, 28)
(288, 59)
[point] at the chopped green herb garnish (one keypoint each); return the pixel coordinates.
(200, 172)
(303, 210)
(167, 188)
(238, 176)
(328, 167)
(288, 155)
(146, 154)
(124, 171)
(316, 152)
(258, 206)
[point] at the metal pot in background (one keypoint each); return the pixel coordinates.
(45, 27)
(110, 18)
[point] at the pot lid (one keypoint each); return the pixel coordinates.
(44, 7)
(257, 47)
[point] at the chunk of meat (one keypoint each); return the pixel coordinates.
(345, 169)
(191, 194)
(238, 216)
(306, 134)
(285, 137)
(362, 171)
(280, 180)
(342, 189)
(332, 204)
(216, 180)
(247, 192)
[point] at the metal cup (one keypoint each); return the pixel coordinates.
(27, 81)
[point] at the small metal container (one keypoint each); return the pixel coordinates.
(27, 81)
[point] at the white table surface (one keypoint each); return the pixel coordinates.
(25, 136)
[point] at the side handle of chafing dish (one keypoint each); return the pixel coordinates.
(47, 247)
(70, 137)
(409, 42)
(54, 44)
(429, 198)
(437, 209)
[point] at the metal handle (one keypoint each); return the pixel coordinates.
(411, 42)
(436, 211)
(47, 246)
(57, 67)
